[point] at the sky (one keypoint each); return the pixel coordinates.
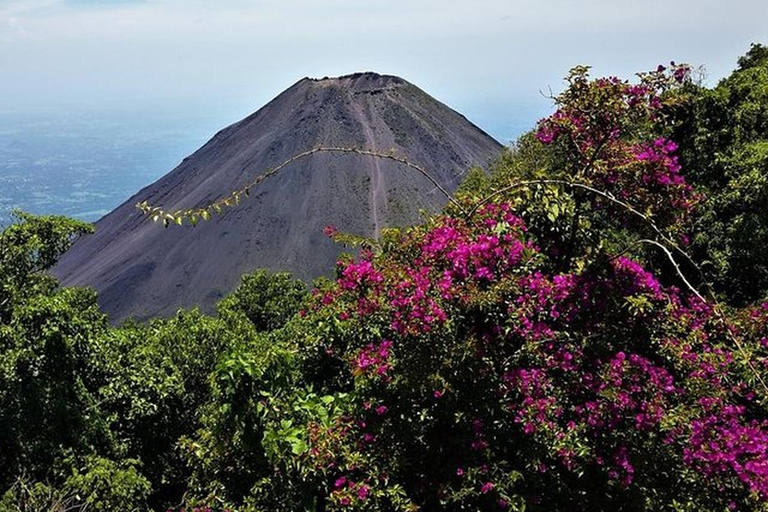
(493, 60)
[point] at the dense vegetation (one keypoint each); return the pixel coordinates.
(585, 330)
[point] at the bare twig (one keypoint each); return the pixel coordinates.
(671, 258)
(178, 216)
(607, 195)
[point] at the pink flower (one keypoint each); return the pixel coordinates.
(373, 359)
(487, 487)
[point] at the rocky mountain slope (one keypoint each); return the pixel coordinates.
(141, 270)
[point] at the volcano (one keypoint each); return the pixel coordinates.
(142, 270)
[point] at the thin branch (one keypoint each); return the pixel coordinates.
(400, 160)
(671, 258)
(600, 193)
(177, 217)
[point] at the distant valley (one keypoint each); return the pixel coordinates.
(83, 164)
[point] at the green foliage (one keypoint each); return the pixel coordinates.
(267, 300)
(549, 210)
(28, 247)
(28, 496)
(723, 136)
(45, 344)
(226, 453)
(156, 380)
(474, 184)
(95, 412)
(104, 485)
(93, 484)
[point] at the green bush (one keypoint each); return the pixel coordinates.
(723, 136)
(267, 300)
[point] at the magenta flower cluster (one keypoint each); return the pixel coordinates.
(373, 359)
(348, 493)
(590, 403)
(601, 135)
(724, 442)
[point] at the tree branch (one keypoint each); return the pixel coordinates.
(605, 195)
(178, 216)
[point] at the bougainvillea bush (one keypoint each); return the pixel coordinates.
(478, 378)
(543, 348)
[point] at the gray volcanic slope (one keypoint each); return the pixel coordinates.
(141, 269)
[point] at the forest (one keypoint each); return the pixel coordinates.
(584, 327)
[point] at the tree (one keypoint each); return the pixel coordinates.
(267, 300)
(723, 136)
(46, 335)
